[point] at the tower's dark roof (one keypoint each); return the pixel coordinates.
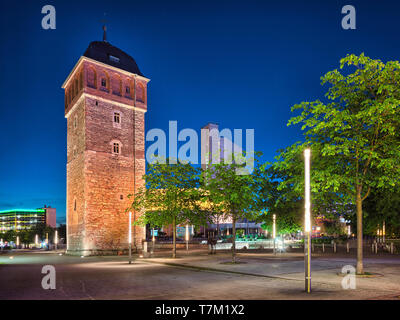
(102, 50)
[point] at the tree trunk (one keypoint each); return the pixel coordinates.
(360, 268)
(233, 239)
(174, 238)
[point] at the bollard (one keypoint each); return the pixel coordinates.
(334, 247)
(391, 248)
(373, 247)
(347, 247)
(376, 247)
(323, 247)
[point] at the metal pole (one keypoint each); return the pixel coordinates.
(274, 231)
(323, 247)
(384, 232)
(187, 238)
(153, 239)
(347, 247)
(130, 237)
(56, 240)
(307, 224)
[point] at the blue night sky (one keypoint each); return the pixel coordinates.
(241, 64)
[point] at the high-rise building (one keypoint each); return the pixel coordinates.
(105, 105)
(25, 219)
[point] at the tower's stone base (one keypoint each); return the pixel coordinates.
(103, 252)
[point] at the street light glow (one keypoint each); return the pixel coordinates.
(130, 228)
(187, 233)
(274, 226)
(307, 221)
(307, 203)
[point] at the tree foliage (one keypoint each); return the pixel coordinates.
(171, 196)
(353, 135)
(234, 196)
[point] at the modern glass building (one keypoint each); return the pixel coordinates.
(23, 219)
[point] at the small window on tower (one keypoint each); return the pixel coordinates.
(117, 117)
(116, 148)
(75, 122)
(75, 205)
(103, 82)
(121, 197)
(127, 90)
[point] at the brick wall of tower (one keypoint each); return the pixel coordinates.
(75, 181)
(110, 177)
(97, 178)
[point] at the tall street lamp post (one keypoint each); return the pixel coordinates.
(187, 238)
(130, 237)
(307, 221)
(55, 239)
(274, 231)
(153, 239)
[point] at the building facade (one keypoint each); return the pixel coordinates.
(105, 105)
(25, 219)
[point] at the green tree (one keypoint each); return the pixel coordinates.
(285, 205)
(353, 135)
(171, 197)
(382, 206)
(233, 195)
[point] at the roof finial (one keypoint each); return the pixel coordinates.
(104, 33)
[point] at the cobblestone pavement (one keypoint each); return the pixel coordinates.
(196, 275)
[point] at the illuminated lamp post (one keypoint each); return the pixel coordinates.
(307, 221)
(17, 242)
(153, 239)
(130, 237)
(187, 237)
(384, 232)
(274, 231)
(56, 239)
(36, 240)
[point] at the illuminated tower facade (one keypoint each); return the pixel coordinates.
(105, 106)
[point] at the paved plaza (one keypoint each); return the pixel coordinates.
(196, 275)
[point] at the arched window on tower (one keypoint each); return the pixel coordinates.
(81, 80)
(140, 92)
(91, 77)
(76, 87)
(104, 81)
(116, 85)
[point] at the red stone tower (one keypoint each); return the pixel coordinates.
(105, 103)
